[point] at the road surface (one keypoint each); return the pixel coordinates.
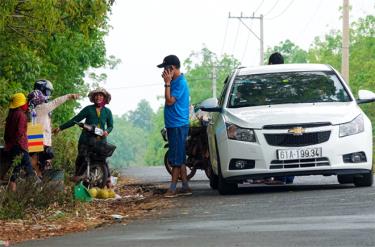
(315, 211)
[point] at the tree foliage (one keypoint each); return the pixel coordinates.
(327, 50)
(142, 116)
(291, 52)
(53, 39)
(199, 72)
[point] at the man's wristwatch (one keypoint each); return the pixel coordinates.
(167, 85)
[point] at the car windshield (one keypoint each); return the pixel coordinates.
(285, 88)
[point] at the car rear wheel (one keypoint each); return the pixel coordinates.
(364, 180)
(345, 179)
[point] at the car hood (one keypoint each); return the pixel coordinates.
(257, 117)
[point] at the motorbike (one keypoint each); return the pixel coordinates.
(95, 154)
(197, 154)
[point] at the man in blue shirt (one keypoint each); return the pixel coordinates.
(176, 119)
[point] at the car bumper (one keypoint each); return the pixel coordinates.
(265, 156)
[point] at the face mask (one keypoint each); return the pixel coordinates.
(101, 104)
(25, 107)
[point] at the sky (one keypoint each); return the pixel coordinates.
(145, 31)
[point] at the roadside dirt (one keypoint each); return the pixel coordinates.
(137, 201)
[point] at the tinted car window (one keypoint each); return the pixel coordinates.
(288, 87)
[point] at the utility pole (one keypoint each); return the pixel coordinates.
(345, 41)
(261, 38)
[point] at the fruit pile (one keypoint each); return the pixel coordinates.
(102, 193)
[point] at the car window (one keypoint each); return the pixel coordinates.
(287, 87)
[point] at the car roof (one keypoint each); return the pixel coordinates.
(276, 68)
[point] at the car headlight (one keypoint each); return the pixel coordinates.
(354, 127)
(240, 134)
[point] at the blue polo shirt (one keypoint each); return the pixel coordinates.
(177, 115)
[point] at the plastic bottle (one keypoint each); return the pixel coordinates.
(33, 116)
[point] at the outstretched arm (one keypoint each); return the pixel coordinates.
(53, 104)
(79, 117)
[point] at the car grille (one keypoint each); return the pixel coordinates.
(301, 163)
(289, 126)
(290, 140)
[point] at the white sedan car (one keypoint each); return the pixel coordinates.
(288, 120)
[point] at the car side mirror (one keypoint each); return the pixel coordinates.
(210, 105)
(365, 96)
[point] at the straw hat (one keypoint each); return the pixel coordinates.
(100, 90)
(17, 100)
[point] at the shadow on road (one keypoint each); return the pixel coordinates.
(289, 188)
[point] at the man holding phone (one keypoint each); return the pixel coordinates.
(176, 120)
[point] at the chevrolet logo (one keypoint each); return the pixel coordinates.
(296, 131)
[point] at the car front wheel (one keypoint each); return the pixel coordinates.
(226, 188)
(223, 187)
(214, 179)
(345, 179)
(364, 180)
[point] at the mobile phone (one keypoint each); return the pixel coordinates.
(168, 67)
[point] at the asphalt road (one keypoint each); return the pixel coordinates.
(315, 211)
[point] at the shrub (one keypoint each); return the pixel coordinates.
(30, 196)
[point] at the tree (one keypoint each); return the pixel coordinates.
(58, 40)
(54, 39)
(199, 66)
(131, 142)
(327, 50)
(290, 51)
(155, 144)
(142, 116)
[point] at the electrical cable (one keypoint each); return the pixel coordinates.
(245, 50)
(260, 5)
(225, 37)
(235, 39)
(136, 86)
(269, 11)
(312, 17)
(282, 12)
(246, 45)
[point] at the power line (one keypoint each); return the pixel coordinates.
(235, 39)
(269, 11)
(287, 7)
(136, 86)
(260, 5)
(260, 37)
(225, 38)
(245, 50)
(312, 17)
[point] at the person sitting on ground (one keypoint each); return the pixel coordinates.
(97, 114)
(42, 108)
(15, 137)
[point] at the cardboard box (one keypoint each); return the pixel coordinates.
(35, 137)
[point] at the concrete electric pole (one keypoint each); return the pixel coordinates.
(345, 41)
(261, 38)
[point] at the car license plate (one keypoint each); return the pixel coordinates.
(295, 154)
